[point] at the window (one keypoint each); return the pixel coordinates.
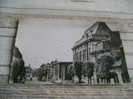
(80, 56)
(84, 55)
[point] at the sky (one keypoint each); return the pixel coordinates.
(44, 40)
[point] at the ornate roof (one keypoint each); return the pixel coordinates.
(97, 29)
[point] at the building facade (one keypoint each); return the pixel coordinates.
(99, 40)
(60, 71)
(95, 40)
(55, 71)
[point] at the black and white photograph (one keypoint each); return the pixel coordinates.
(66, 49)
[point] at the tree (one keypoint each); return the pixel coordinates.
(18, 72)
(18, 67)
(105, 61)
(15, 73)
(22, 71)
(104, 64)
(88, 70)
(40, 74)
(70, 72)
(78, 70)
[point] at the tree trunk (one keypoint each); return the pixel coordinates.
(79, 79)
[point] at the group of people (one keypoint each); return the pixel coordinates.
(105, 77)
(104, 72)
(102, 68)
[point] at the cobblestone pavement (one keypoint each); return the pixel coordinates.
(54, 91)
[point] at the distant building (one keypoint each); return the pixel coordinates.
(46, 71)
(29, 72)
(55, 71)
(98, 40)
(60, 70)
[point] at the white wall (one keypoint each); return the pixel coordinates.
(7, 33)
(102, 5)
(97, 8)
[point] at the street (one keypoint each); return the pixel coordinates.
(56, 91)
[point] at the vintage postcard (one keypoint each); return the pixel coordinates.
(66, 49)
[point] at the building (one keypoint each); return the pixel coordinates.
(95, 40)
(29, 72)
(60, 70)
(99, 40)
(46, 72)
(55, 71)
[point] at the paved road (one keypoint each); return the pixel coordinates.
(46, 91)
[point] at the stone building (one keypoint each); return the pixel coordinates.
(49, 71)
(95, 40)
(60, 71)
(99, 40)
(46, 71)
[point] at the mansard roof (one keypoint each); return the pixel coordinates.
(97, 28)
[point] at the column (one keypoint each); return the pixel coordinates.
(87, 51)
(63, 72)
(58, 77)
